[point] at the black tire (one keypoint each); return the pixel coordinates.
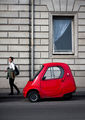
(68, 96)
(33, 96)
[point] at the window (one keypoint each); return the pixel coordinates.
(62, 34)
(54, 72)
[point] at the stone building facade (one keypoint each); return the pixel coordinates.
(16, 31)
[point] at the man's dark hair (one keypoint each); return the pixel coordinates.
(11, 58)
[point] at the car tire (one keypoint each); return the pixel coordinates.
(33, 96)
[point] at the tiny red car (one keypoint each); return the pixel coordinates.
(53, 80)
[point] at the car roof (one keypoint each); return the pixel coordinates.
(55, 63)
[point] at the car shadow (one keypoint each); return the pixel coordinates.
(79, 96)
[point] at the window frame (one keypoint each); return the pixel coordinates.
(62, 52)
(74, 51)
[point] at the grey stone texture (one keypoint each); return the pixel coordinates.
(15, 37)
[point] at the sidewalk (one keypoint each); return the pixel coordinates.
(5, 92)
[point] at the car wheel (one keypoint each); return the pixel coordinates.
(33, 96)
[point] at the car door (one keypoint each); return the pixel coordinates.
(51, 82)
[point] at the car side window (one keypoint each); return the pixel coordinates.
(54, 73)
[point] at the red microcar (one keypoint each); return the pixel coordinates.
(52, 81)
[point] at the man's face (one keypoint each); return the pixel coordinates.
(10, 60)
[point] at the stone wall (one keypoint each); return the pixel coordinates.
(15, 31)
(43, 9)
(14, 39)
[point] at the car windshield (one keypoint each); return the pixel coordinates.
(37, 73)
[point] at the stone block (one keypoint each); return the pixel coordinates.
(18, 8)
(77, 67)
(3, 67)
(22, 61)
(80, 73)
(82, 8)
(41, 21)
(8, 41)
(24, 41)
(37, 55)
(81, 42)
(44, 54)
(3, 61)
(80, 81)
(37, 42)
(24, 14)
(24, 2)
(3, 7)
(24, 54)
(42, 61)
(18, 21)
(41, 48)
(81, 15)
(41, 35)
(8, 27)
(24, 67)
(81, 55)
(81, 22)
(44, 28)
(19, 34)
(82, 48)
(79, 61)
(37, 28)
(24, 73)
(8, 54)
(8, 14)
(8, 1)
(2, 74)
(3, 21)
(37, 15)
(4, 83)
(3, 34)
(40, 8)
(37, 2)
(81, 28)
(67, 61)
(37, 68)
(44, 15)
(44, 42)
(18, 48)
(24, 28)
(81, 35)
(3, 48)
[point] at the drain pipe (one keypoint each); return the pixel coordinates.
(32, 38)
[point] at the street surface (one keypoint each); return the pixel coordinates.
(17, 108)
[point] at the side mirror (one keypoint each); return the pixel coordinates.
(44, 77)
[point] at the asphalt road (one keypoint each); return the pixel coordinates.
(18, 108)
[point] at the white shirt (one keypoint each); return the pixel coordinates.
(12, 65)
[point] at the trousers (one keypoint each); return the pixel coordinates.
(11, 82)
